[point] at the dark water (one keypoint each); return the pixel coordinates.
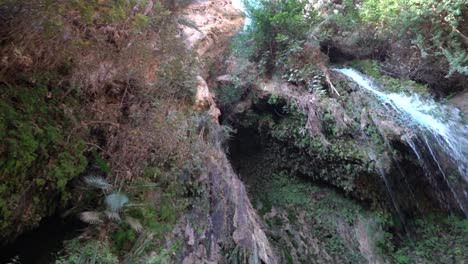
(41, 245)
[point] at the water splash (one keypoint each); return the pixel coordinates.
(442, 129)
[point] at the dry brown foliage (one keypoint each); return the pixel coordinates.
(114, 64)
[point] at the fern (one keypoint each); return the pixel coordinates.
(97, 182)
(90, 217)
(113, 216)
(134, 224)
(116, 201)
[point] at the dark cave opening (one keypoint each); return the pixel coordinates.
(43, 244)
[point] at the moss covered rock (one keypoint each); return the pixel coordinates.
(39, 155)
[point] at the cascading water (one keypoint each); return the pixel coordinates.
(438, 137)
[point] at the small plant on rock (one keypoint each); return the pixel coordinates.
(114, 201)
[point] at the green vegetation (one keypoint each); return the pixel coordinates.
(90, 252)
(138, 217)
(132, 224)
(301, 212)
(98, 88)
(434, 26)
(243, 77)
(40, 152)
(421, 35)
(391, 84)
(394, 42)
(309, 223)
(332, 157)
(65, 66)
(326, 209)
(437, 239)
(279, 29)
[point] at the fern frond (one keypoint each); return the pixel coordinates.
(97, 182)
(116, 201)
(113, 216)
(92, 218)
(134, 224)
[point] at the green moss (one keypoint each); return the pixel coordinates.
(322, 207)
(329, 124)
(436, 239)
(340, 163)
(38, 155)
(288, 256)
(369, 67)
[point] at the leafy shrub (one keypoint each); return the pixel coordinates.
(435, 26)
(99, 53)
(276, 25)
(134, 228)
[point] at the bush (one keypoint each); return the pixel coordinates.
(276, 25)
(435, 27)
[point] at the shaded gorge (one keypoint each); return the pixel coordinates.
(43, 244)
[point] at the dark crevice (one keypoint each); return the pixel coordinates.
(41, 245)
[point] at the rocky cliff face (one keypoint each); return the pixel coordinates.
(349, 141)
(294, 133)
(211, 24)
(136, 71)
(224, 226)
(313, 174)
(461, 101)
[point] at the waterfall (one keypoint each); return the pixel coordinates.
(439, 135)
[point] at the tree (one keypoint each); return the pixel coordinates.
(276, 24)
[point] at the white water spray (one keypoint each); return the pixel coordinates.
(441, 127)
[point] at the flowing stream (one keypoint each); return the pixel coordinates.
(438, 138)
